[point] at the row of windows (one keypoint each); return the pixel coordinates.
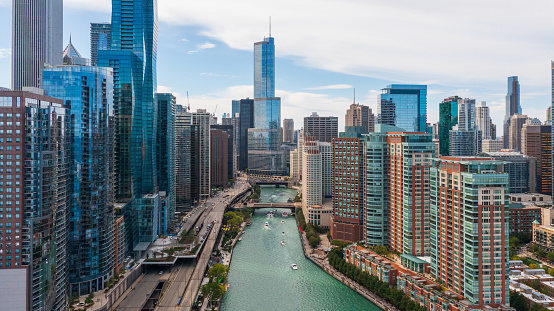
(10, 115)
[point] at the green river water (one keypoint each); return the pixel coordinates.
(261, 277)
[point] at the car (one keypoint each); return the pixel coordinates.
(81, 304)
(161, 272)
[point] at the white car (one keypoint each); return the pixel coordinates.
(161, 272)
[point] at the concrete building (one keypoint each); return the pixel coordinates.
(492, 145)
(230, 131)
(37, 39)
(34, 139)
(288, 130)
(483, 119)
(537, 143)
(323, 129)
(183, 158)
(219, 144)
(521, 169)
(470, 230)
(408, 162)
(543, 236)
(515, 134)
(522, 217)
(295, 165)
(201, 118)
(360, 115)
(347, 221)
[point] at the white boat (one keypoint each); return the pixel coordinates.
(283, 242)
(294, 267)
(285, 214)
(282, 221)
(283, 233)
(240, 239)
(266, 224)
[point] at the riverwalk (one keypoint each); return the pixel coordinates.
(323, 263)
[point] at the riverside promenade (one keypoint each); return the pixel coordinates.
(323, 263)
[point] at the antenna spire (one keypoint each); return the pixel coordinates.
(354, 96)
(270, 26)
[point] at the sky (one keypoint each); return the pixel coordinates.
(325, 48)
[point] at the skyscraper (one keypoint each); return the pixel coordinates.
(88, 92)
(537, 142)
(184, 158)
(219, 160)
(360, 115)
(288, 130)
(404, 106)
(514, 134)
(264, 140)
(464, 138)
(230, 131)
(37, 39)
(100, 39)
(483, 119)
(472, 230)
(513, 106)
(448, 118)
(246, 121)
(201, 119)
(323, 129)
(33, 237)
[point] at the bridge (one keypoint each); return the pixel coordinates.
(268, 181)
(291, 206)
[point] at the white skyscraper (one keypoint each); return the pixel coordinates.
(37, 39)
(483, 119)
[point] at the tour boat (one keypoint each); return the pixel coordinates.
(285, 214)
(294, 267)
(283, 242)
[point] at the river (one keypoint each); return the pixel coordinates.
(261, 277)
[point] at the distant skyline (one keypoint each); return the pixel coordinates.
(465, 48)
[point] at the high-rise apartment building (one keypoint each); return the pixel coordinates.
(347, 221)
(246, 121)
(265, 156)
(513, 106)
(184, 145)
(166, 156)
(37, 40)
(483, 119)
(230, 131)
(88, 93)
(448, 118)
(100, 39)
(537, 143)
(201, 119)
(219, 144)
(288, 130)
(464, 138)
(34, 140)
(404, 106)
(408, 161)
(323, 129)
(469, 233)
(521, 169)
(360, 115)
(516, 126)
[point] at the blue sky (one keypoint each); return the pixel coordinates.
(324, 48)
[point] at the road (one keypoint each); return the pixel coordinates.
(184, 287)
(140, 292)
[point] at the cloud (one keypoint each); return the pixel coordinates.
(5, 53)
(331, 87)
(202, 47)
(87, 5)
(184, 40)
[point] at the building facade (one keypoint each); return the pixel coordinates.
(246, 121)
(513, 106)
(100, 39)
(448, 118)
(404, 106)
(323, 129)
(521, 169)
(483, 119)
(201, 119)
(183, 159)
(231, 164)
(37, 39)
(469, 228)
(288, 130)
(88, 93)
(219, 165)
(537, 143)
(360, 115)
(516, 126)
(491, 145)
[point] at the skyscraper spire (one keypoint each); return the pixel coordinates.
(270, 26)
(354, 96)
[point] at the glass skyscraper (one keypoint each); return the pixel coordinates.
(88, 94)
(264, 140)
(100, 39)
(404, 106)
(513, 106)
(448, 118)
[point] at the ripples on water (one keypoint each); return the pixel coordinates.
(261, 277)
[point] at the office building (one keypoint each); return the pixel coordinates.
(246, 121)
(470, 230)
(100, 39)
(265, 156)
(448, 118)
(516, 126)
(483, 119)
(184, 145)
(491, 145)
(33, 128)
(235, 107)
(521, 169)
(166, 155)
(219, 161)
(37, 40)
(71, 56)
(230, 131)
(465, 143)
(323, 129)
(347, 221)
(360, 115)
(408, 162)
(88, 93)
(513, 106)
(288, 130)
(537, 143)
(295, 165)
(404, 106)
(201, 119)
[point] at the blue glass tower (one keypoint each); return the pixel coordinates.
(513, 106)
(264, 140)
(404, 106)
(88, 93)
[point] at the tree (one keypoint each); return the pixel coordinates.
(314, 241)
(218, 272)
(255, 196)
(514, 241)
(213, 291)
(533, 266)
(550, 256)
(533, 248)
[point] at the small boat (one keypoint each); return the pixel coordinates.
(282, 221)
(289, 200)
(266, 224)
(283, 242)
(285, 214)
(294, 267)
(240, 239)
(249, 223)
(283, 233)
